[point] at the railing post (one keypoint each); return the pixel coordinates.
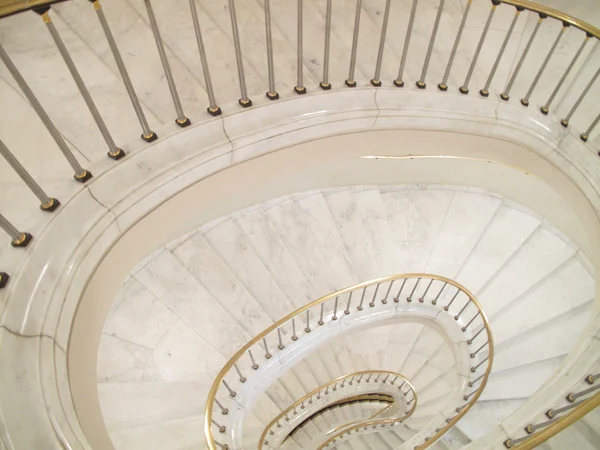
(586, 134)
(525, 100)
(81, 174)
(546, 108)
(213, 109)
(147, 134)
(505, 95)
(351, 82)
(442, 85)
(300, 88)
(18, 238)
(376, 81)
(181, 120)
(244, 101)
(464, 89)
(565, 122)
(421, 84)
(46, 203)
(325, 85)
(113, 151)
(398, 81)
(485, 90)
(271, 93)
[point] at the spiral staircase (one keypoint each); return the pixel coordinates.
(395, 248)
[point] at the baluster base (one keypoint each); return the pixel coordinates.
(325, 86)
(350, 83)
(272, 95)
(216, 111)
(564, 123)
(463, 90)
(524, 102)
(376, 83)
(183, 123)
(116, 154)
(83, 176)
(300, 90)
(22, 241)
(50, 206)
(150, 137)
(504, 97)
(3, 279)
(398, 83)
(245, 102)
(421, 84)
(544, 110)
(484, 93)
(443, 87)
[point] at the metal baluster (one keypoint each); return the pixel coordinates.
(509, 443)
(470, 341)
(3, 279)
(181, 120)
(464, 89)
(81, 174)
(113, 151)
(307, 329)
(530, 429)
(242, 377)
(271, 93)
(434, 301)
(347, 310)
(300, 88)
(394, 380)
(254, 365)
(470, 322)
(397, 298)
(586, 134)
(325, 85)
(590, 379)
(546, 108)
(376, 81)
(478, 350)
(244, 101)
(360, 378)
(384, 301)
(147, 135)
(19, 239)
(574, 396)
(220, 427)
(343, 383)
(421, 83)
(350, 82)
(362, 299)
(335, 305)
(485, 91)
(525, 100)
(335, 387)
(453, 298)
(280, 346)
(552, 413)
(223, 409)
(422, 298)
(398, 81)
(474, 369)
(351, 381)
(368, 378)
(213, 108)
(468, 396)
(372, 304)
(565, 122)
(232, 393)
(456, 317)
(294, 336)
(377, 379)
(505, 95)
(46, 203)
(267, 354)
(409, 298)
(223, 446)
(471, 383)
(442, 85)
(386, 377)
(320, 322)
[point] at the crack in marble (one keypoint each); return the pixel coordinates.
(31, 336)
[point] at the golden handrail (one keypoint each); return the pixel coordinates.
(326, 386)
(220, 378)
(558, 15)
(10, 7)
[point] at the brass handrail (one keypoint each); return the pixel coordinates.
(10, 7)
(555, 14)
(275, 329)
(378, 413)
(325, 387)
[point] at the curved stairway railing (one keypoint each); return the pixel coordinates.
(441, 295)
(581, 93)
(372, 380)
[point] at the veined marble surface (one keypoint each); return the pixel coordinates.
(507, 255)
(45, 293)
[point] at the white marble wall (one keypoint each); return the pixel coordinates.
(187, 307)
